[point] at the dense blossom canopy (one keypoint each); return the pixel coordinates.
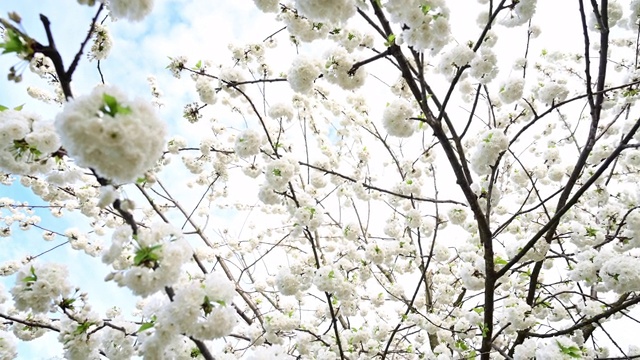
(401, 179)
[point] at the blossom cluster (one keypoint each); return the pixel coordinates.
(27, 142)
(118, 138)
(489, 147)
(40, 286)
(134, 10)
(149, 261)
(308, 216)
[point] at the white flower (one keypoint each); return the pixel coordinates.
(150, 263)
(205, 90)
(279, 172)
(115, 344)
(511, 90)
(457, 215)
(520, 14)
(40, 94)
(427, 28)
(621, 274)
(559, 348)
(281, 110)
(288, 283)
(455, 59)
(303, 72)
(41, 65)
(556, 172)
(77, 340)
(108, 195)
(39, 286)
(248, 143)
(413, 218)
(525, 351)
(134, 10)
(268, 196)
(204, 310)
(268, 353)
(8, 348)
(229, 77)
(492, 143)
(309, 216)
(552, 92)
(484, 66)
(267, 5)
(119, 138)
(395, 119)
(25, 140)
(102, 43)
(324, 11)
(338, 66)
(176, 65)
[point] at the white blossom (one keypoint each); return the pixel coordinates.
(396, 119)
(134, 10)
(303, 72)
(119, 138)
(248, 143)
(511, 90)
(322, 11)
(39, 286)
(491, 144)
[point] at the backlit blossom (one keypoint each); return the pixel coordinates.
(106, 131)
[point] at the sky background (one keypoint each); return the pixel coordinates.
(201, 29)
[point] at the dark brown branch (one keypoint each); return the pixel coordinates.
(76, 59)
(613, 310)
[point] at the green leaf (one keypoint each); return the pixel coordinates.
(390, 40)
(461, 345)
(195, 352)
(499, 261)
(147, 255)
(199, 64)
(82, 328)
(572, 351)
(207, 306)
(18, 108)
(425, 8)
(112, 107)
(67, 303)
(141, 180)
(146, 326)
(32, 278)
(485, 330)
(277, 172)
(3, 108)
(14, 43)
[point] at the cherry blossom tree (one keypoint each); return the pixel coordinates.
(367, 179)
